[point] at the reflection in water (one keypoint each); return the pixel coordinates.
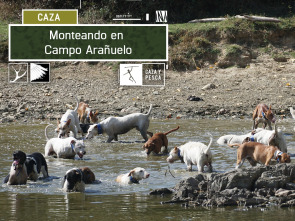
(44, 199)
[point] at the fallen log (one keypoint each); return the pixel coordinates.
(247, 17)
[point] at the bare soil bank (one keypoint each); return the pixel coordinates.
(233, 91)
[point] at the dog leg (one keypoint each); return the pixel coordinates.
(200, 168)
(144, 135)
(116, 137)
(150, 133)
(239, 164)
(44, 172)
(110, 139)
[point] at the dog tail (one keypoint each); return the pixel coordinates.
(77, 104)
(209, 145)
(47, 138)
(150, 110)
(234, 144)
(172, 130)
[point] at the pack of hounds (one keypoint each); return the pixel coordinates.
(260, 145)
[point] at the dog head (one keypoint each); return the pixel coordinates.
(149, 147)
(19, 158)
(93, 117)
(32, 170)
(138, 173)
(88, 175)
(79, 147)
(73, 181)
(284, 158)
(92, 131)
(63, 128)
(269, 115)
(174, 155)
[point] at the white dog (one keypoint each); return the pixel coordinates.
(193, 153)
(267, 137)
(292, 111)
(113, 126)
(64, 148)
(69, 122)
(133, 176)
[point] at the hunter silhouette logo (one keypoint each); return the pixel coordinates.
(130, 74)
(18, 72)
(40, 72)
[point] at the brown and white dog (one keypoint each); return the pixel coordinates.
(263, 114)
(69, 122)
(86, 115)
(157, 141)
(76, 178)
(259, 153)
(18, 171)
(134, 176)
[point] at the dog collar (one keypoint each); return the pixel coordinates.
(252, 138)
(72, 146)
(277, 154)
(133, 180)
(263, 115)
(180, 157)
(99, 129)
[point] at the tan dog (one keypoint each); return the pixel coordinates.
(86, 115)
(263, 114)
(259, 153)
(157, 141)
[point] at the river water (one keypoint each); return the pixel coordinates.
(44, 199)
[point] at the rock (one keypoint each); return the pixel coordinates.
(253, 186)
(209, 86)
(161, 191)
(194, 98)
(156, 93)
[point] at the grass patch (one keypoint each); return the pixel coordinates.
(233, 50)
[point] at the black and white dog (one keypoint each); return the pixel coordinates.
(76, 178)
(35, 164)
(18, 170)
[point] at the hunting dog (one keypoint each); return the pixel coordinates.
(263, 114)
(156, 142)
(259, 153)
(76, 178)
(69, 122)
(64, 148)
(18, 170)
(193, 153)
(134, 176)
(35, 164)
(86, 115)
(113, 126)
(268, 137)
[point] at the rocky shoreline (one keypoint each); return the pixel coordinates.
(260, 186)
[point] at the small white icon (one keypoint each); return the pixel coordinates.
(161, 16)
(37, 71)
(130, 74)
(18, 72)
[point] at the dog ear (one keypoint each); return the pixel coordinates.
(131, 172)
(269, 107)
(73, 141)
(95, 126)
(68, 122)
(96, 113)
(91, 114)
(175, 148)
